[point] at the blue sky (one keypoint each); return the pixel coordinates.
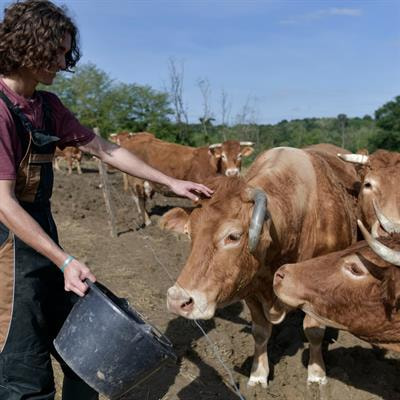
(280, 59)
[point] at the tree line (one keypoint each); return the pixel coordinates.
(99, 101)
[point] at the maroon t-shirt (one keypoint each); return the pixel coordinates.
(65, 126)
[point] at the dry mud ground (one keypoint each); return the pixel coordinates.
(140, 265)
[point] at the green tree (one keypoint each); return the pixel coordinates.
(342, 121)
(388, 116)
(84, 93)
(97, 100)
(385, 140)
(151, 108)
(388, 121)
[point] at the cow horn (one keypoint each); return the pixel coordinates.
(354, 158)
(246, 143)
(388, 225)
(384, 252)
(213, 146)
(375, 230)
(257, 218)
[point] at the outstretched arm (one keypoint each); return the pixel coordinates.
(126, 161)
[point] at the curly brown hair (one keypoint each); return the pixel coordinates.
(31, 34)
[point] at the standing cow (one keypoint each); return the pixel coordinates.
(292, 205)
(181, 162)
(71, 155)
(380, 184)
(357, 289)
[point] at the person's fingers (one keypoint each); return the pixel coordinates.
(87, 274)
(191, 196)
(202, 189)
(78, 284)
(205, 190)
(80, 293)
(74, 278)
(90, 276)
(71, 287)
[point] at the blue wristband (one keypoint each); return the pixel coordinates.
(66, 262)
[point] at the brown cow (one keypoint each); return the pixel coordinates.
(357, 289)
(290, 206)
(181, 162)
(120, 137)
(72, 156)
(380, 179)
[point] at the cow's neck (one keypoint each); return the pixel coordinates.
(285, 239)
(386, 334)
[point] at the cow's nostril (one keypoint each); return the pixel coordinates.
(187, 305)
(279, 275)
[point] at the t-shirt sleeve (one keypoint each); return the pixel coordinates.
(8, 150)
(67, 127)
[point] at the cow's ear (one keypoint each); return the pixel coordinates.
(175, 220)
(215, 152)
(246, 151)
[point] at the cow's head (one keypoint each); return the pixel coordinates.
(380, 185)
(229, 155)
(357, 289)
(230, 235)
(119, 137)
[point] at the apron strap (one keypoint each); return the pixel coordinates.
(39, 137)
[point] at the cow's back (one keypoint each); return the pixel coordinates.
(345, 172)
(309, 204)
(181, 162)
(327, 148)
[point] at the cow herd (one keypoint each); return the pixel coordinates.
(285, 235)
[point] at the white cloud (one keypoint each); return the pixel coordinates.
(350, 12)
(347, 12)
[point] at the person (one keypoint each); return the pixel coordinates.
(37, 40)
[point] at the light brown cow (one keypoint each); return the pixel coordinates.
(357, 289)
(380, 184)
(290, 206)
(120, 137)
(71, 155)
(181, 162)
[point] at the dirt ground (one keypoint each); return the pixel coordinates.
(141, 265)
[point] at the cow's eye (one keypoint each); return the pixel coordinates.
(233, 237)
(355, 269)
(223, 156)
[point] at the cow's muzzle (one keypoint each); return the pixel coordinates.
(179, 302)
(232, 172)
(189, 304)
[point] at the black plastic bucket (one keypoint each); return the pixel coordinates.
(109, 345)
